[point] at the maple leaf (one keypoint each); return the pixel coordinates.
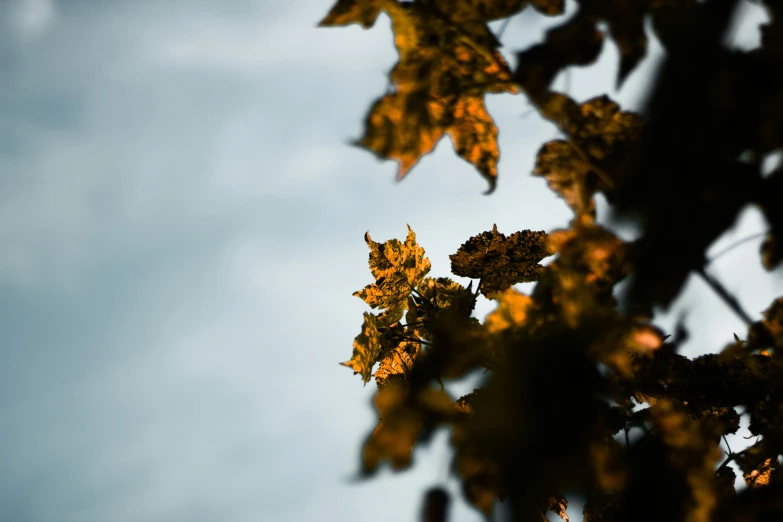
(475, 136)
(397, 363)
(437, 296)
(501, 261)
(481, 478)
(346, 12)
(568, 174)
(757, 463)
(403, 420)
(603, 127)
(401, 126)
(511, 310)
(576, 42)
(725, 478)
(396, 433)
(445, 67)
(724, 419)
(579, 281)
(602, 145)
(398, 268)
(626, 25)
(367, 348)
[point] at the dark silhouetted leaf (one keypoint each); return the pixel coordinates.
(568, 174)
(501, 261)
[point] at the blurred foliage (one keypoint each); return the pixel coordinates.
(571, 372)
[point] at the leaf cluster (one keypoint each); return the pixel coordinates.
(584, 396)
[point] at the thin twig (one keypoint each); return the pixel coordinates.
(730, 458)
(734, 245)
(724, 294)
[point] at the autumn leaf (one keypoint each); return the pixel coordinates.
(436, 296)
(579, 282)
(511, 311)
(397, 363)
(346, 12)
(543, 421)
(603, 128)
(397, 430)
(398, 268)
(501, 261)
(475, 136)
(402, 127)
(367, 348)
(626, 25)
(577, 42)
(568, 175)
(481, 479)
(757, 463)
(447, 62)
(403, 420)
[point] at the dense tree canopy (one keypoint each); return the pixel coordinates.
(570, 370)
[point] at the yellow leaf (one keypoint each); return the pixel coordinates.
(366, 348)
(346, 12)
(475, 136)
(511, 311)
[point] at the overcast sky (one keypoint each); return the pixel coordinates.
(181, 227)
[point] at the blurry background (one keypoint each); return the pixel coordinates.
(181, 225)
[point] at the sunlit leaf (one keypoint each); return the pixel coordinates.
(397, 267)
(439, 83)
(511, 311)
(346, 12)
(397, 363)
(367, 348)
(475, 136)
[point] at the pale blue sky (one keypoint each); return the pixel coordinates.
(181, 228)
